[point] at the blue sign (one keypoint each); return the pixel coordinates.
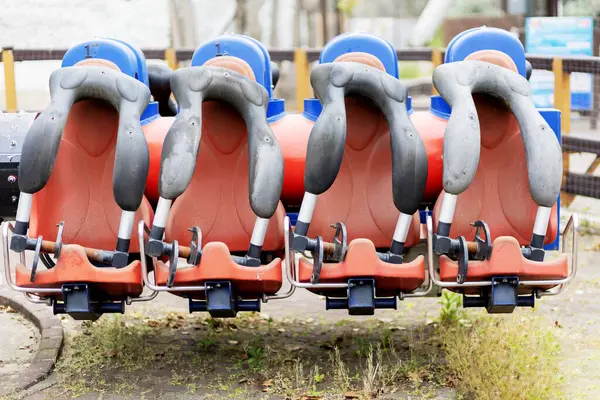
(560, 36)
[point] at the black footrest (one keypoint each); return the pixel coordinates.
(361, 299)
(78, 304)
(220, 302)
(502, 298)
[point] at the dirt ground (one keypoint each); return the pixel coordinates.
(195, 357)
(19, 342)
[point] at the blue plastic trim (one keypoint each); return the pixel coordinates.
(553, 117)
(423, 214)
(293, 218)
(150, 113)
(365, 43)
(244, 47)
(439, 107)
(275, 110)
(485, 38)
(312, 109)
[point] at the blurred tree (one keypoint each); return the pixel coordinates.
(247, 19)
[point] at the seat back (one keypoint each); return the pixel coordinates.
(79, 191)
(361, 195)
(359, 190)
(216, 199)
(76, 147)
(502, 188)
(236, 181)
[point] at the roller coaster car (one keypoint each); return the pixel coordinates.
(221, 177)
(89, 135)
(368, 172)
(502, 176)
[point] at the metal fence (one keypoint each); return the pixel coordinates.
(585, 184)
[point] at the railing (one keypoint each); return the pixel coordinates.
(584, 184)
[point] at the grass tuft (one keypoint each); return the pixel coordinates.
(513, 357)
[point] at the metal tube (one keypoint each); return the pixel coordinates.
(6, 226)
(259, 231)
(448, 207)
(542, 217)
(307, 207)
(287, 263)
(402, 227)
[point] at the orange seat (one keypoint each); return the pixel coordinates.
(500, 196)
(361, 198)
(362, 262)
(506, 260)
(217, 201)
(79, 192)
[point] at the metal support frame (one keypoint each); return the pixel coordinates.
(78, 304)
(361, 299)
(221, 302)
(502, 299)
(572, 224)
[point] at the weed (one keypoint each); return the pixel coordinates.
(317, 377)
(213, 323)
(341, 374)
(255, 351)
(451, 306)
(363, 347)
(512, 358)
(176, 379)
(108, 343)
(191, 388)
(206, 343)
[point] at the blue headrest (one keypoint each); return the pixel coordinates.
(129, 59)
(351, 43)
(485, 38)
(241, 46)
(364, 43)
(141, 61)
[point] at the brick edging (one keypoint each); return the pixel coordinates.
(49, 347)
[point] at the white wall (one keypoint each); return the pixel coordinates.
(46, 24)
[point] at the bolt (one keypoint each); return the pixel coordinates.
(12, 178)
(13, 144)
